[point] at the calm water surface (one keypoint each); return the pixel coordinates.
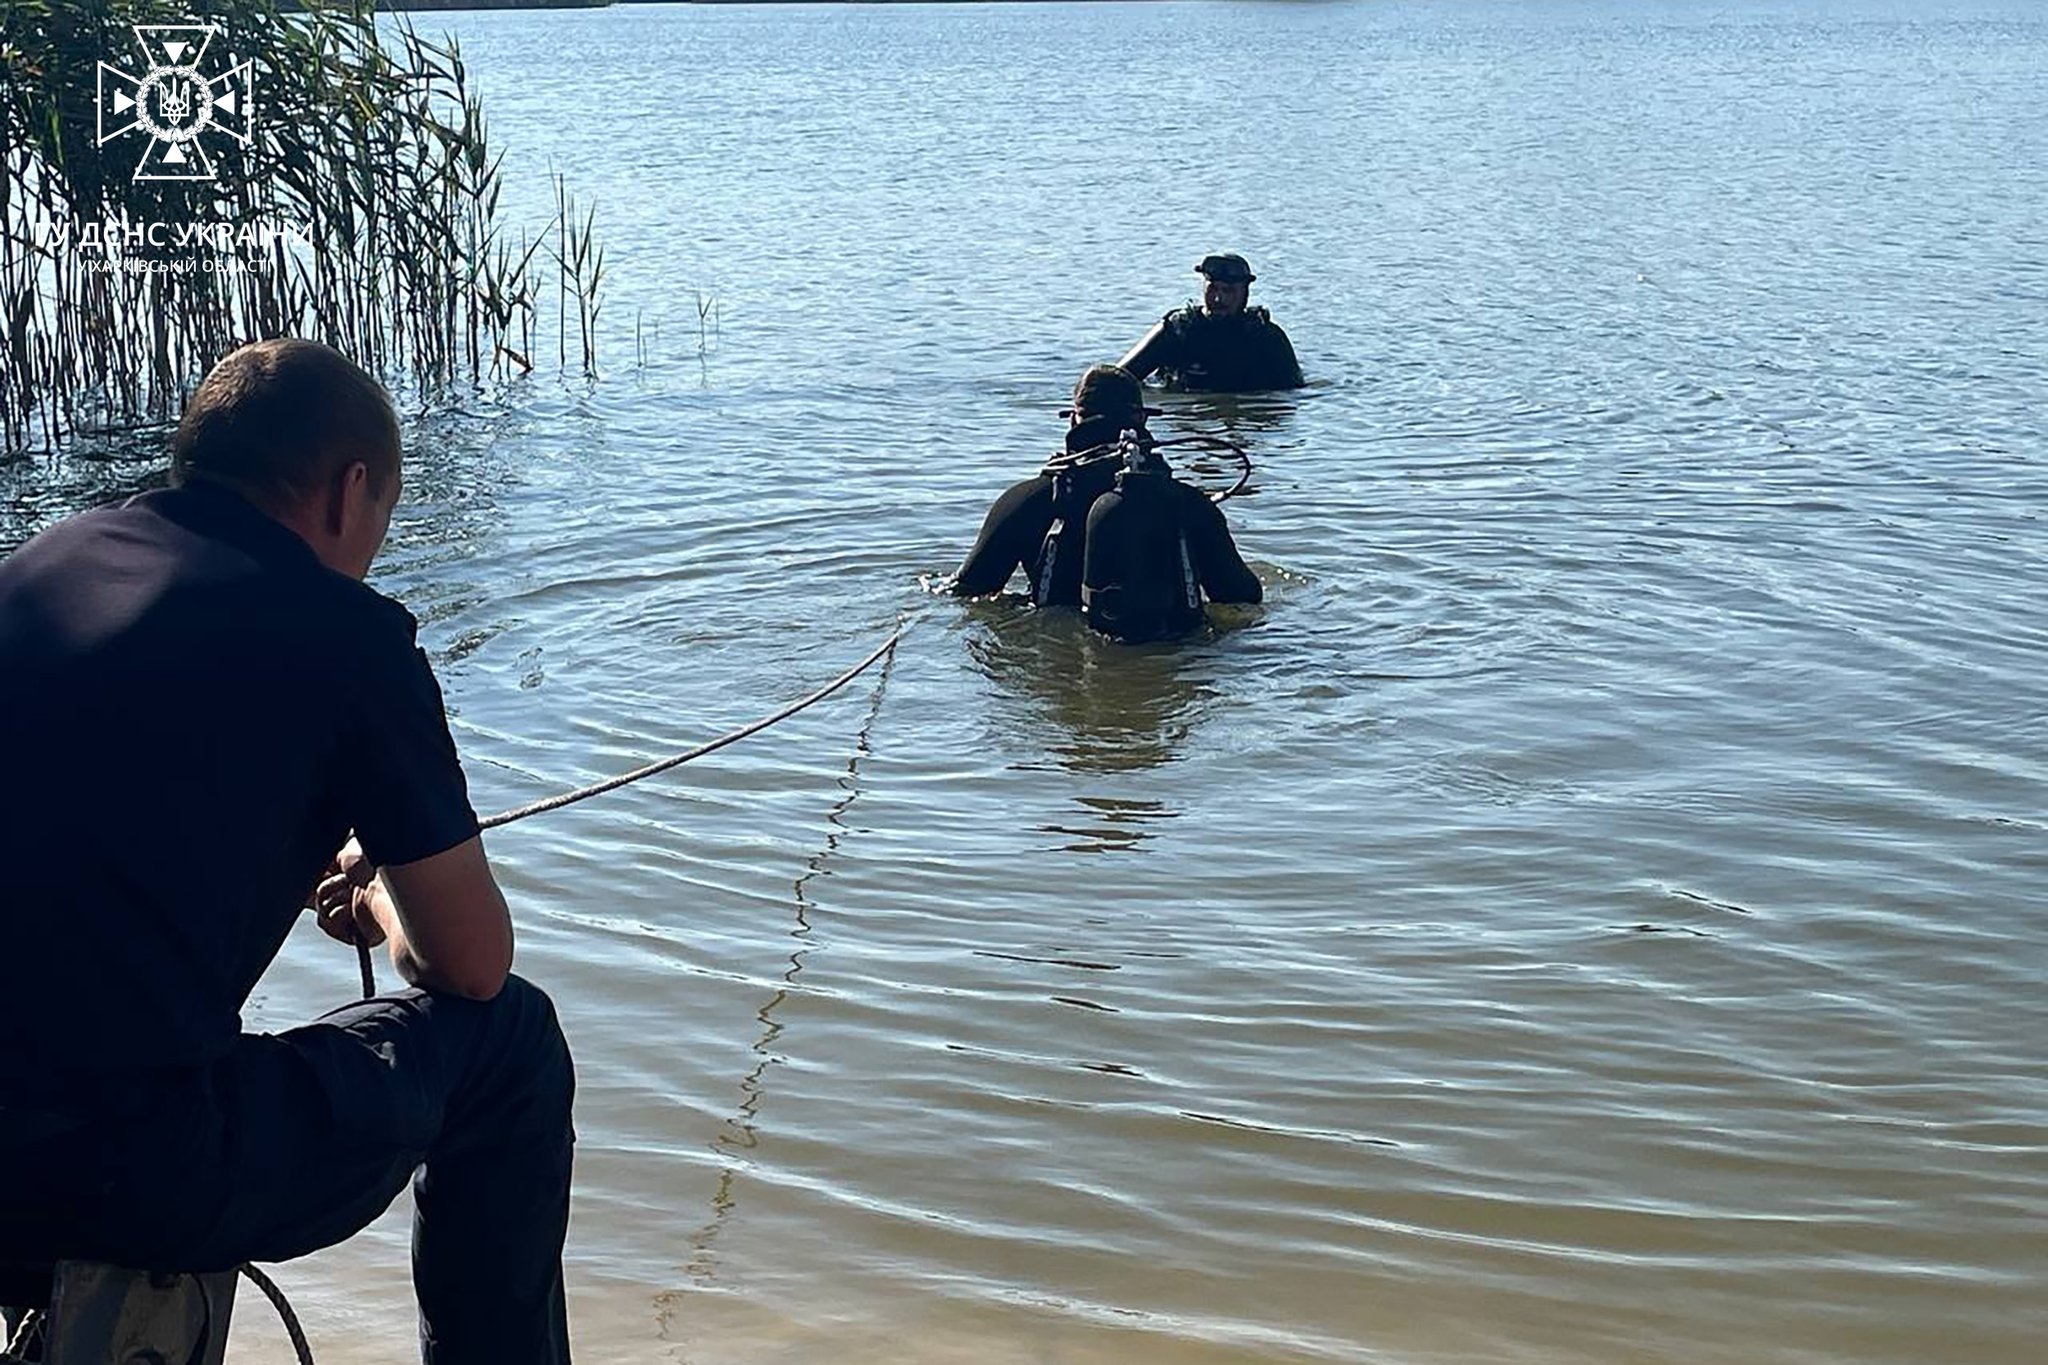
(1591, 913)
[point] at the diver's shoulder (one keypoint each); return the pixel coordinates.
(1272, 335)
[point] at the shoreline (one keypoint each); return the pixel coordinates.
(429, 6)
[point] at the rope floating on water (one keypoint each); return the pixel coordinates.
(367, 967)
(731, 737)
(886, 649)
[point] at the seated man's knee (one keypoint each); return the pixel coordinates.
(532, 1030)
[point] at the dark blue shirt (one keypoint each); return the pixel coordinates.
(194, 714)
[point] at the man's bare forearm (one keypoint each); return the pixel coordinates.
(444, 935)
(404, 960)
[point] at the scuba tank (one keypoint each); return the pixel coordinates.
(1152, 589)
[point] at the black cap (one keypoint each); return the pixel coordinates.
(1108, 391)
(1226, 268)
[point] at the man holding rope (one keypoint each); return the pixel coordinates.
(1107, 528)
(200, 700)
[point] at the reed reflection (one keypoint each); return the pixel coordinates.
(33, 497)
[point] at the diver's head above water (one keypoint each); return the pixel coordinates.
(1108, 401)
(1228, 284)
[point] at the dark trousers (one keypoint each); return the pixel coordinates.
(298, 1140)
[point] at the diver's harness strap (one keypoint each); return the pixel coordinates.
(1069, 520)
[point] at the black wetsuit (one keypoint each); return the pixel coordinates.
(1134, 553)
(1196, 352)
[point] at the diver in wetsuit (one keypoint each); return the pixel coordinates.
(1107, 528)
(1224, 346)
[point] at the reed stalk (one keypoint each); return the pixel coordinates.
(364, 211)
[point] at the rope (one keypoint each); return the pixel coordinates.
(731, 737)
(886, 649)
(24, 1332)
(365, 968)
(284, 1311)
(31, 1322)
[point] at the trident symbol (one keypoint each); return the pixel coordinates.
(175, 98)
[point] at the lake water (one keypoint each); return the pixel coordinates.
(1591, 913)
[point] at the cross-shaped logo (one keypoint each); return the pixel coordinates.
(175, 102)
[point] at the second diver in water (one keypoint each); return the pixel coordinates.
(1107, 528)
(1223, 346)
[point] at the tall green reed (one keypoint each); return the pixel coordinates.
(367, 203)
